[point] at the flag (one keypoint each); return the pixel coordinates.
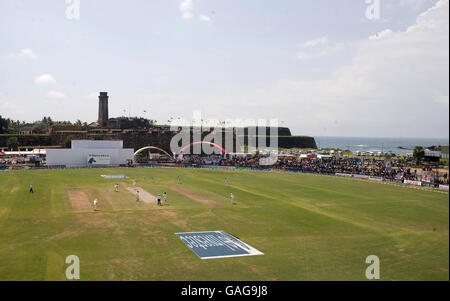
(426, 179)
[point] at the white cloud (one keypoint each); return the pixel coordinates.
(26, 53)
(381, 34)
(187, 15)
(307, 55)
(204, 18)
(317, 48)
(427, 23)
(394, 86)
(44, 79)
(315, 42)
(186, 7)
(187, 11)
(56, 95)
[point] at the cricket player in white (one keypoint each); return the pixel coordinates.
(158, 198)
(165, 197)
(137, 195)
(232, 198)
(95, 204)
(116, 187)
(134, 183)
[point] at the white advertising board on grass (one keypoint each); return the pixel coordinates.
(443, 187)
(414, 183)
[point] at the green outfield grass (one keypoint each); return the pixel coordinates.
(309, 227)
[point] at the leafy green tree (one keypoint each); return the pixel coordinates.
(418, 153)
(13, 126)
(12, 143)
(68, 141)
(3, 125)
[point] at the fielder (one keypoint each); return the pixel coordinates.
(95, 204)
(232, 199)
(159, 199)
(31, 188)
(116, 187)
(137, 195)
(165, 197)
(179, 180)
(134, 183)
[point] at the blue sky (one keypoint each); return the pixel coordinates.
(317, 66)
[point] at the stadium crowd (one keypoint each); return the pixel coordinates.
(394, 170)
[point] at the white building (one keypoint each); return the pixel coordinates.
(85, 153)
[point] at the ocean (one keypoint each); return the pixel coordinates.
(378, 144)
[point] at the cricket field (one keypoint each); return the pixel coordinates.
(309, 227)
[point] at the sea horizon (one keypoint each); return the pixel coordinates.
(376, 144)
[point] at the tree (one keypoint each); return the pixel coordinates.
(12, 143)
(3, 125)
(68, 141)
(13, 126)
(418, 153)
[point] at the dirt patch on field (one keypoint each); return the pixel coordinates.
(162, 215)
(204, 214)
(196, 197)
(79, 200)
(98, 220)
(3, 212)
(175, 219)
(144, 196)
(63, 234)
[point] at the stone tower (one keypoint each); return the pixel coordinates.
(103, 109)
